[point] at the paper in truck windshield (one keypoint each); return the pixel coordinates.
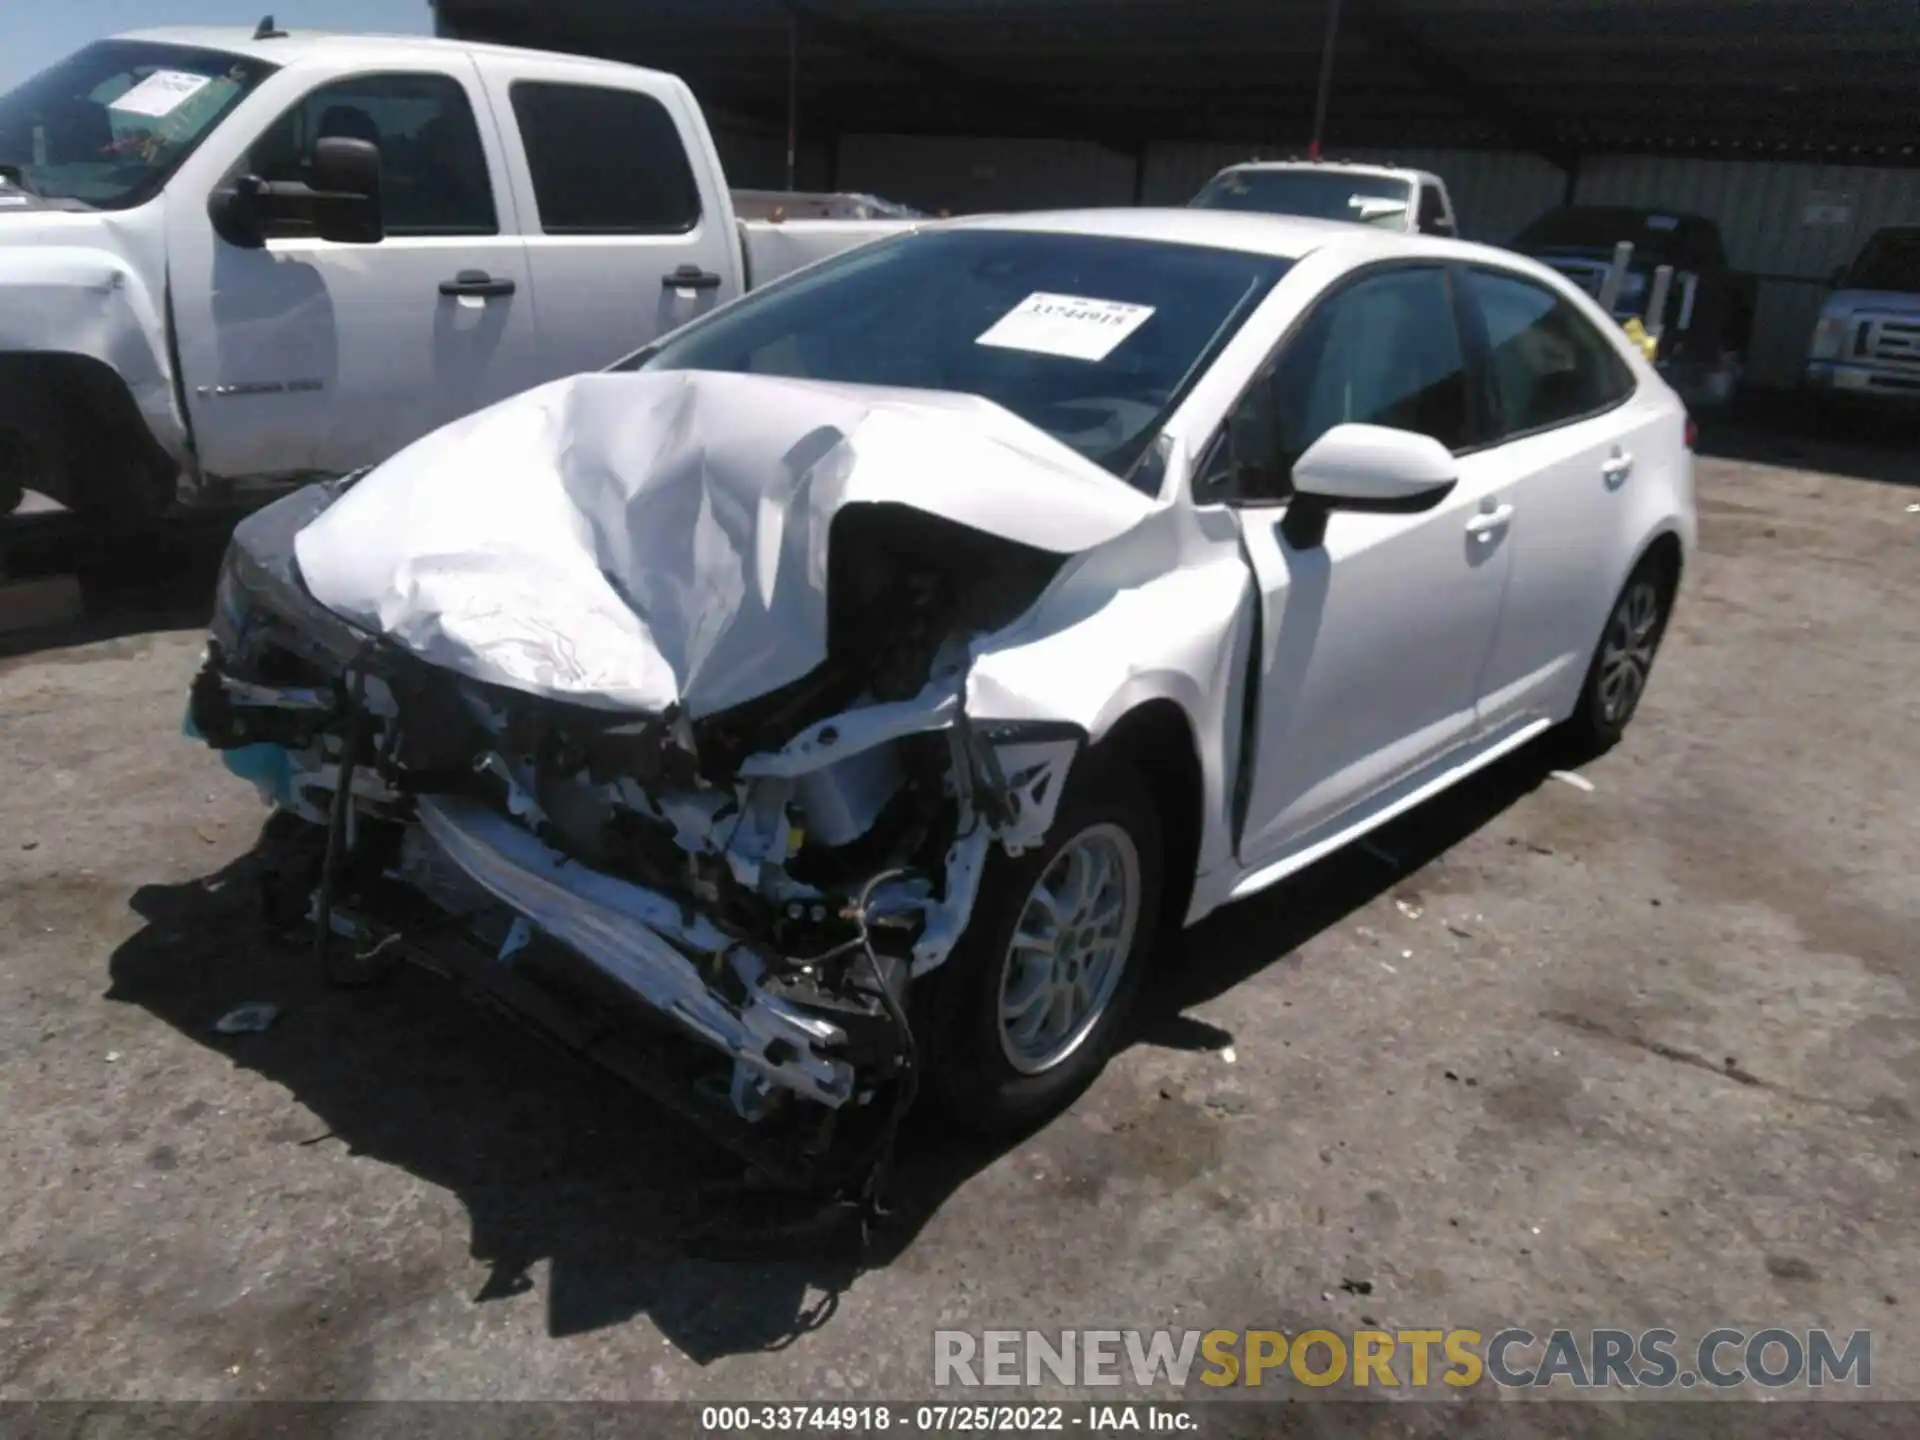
(161, 93)
(1071, 326)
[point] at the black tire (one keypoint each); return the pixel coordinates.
(35, 452)
(966, 1069)
(1610, 696)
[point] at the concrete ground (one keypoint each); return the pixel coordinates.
(1645, 1056)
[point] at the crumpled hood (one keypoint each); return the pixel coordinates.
(636, 541)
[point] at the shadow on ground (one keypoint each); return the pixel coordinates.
(559, 1162)
(1780, 428)
(163, 581)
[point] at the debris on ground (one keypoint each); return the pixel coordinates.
(248, 1019)
(1357, 1287)
(1573, 778)
(1228, 1055)
(1462, 931)
(112, 1055)
(1412, 909)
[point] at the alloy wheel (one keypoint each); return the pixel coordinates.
(1069, 949)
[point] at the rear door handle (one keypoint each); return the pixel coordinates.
(477, 283)
(1488, 521)
(1618, 467)
(690, 277)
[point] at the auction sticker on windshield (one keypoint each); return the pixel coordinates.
(1071, 326)
(161, 93)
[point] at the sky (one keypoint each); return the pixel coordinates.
(35, 35)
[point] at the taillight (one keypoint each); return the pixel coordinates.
(1693, 433)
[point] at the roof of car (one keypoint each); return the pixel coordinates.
(1286, 236)
(289, 46)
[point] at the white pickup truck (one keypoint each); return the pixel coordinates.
(1413, 202)
(231, 261)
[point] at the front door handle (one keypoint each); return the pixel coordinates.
(1488, 521)
(1617, 468)
(690, 277)
(477, 283)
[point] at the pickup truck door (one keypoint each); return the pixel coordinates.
(308, 356)
(1373, 638)
(630, 228)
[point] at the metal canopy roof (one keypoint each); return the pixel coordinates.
(1823, 79)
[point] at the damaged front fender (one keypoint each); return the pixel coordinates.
(75, 300)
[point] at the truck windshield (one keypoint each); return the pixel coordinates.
(1317, 194)
(108, 125)
(1093, 339)
(1891, 261)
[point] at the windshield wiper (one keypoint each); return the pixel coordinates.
(16, 176)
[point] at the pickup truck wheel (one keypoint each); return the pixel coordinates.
(1023, 1014)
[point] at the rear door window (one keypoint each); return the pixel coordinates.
(605, 162)
(1550, 365)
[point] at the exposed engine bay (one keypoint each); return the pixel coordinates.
(770, 874)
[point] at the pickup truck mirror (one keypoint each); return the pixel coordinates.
(346, 191)
(340, 200)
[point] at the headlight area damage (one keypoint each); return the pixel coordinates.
(668, 669)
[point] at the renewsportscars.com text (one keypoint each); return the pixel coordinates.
(1771, 1359)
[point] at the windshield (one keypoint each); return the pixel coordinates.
(1093, 339)
(108, 125)
(1891, 261)
(1316, 194)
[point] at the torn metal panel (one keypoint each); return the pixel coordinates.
(1164, 613)
(654, 540)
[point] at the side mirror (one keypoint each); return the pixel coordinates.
(1369, 468)
(341, 203)
(346, 191)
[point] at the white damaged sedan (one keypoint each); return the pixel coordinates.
(849, 688)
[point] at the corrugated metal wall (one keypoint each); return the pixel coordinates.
(964, 175)
(756, 160)
(1790, 224)
(1494, 193)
